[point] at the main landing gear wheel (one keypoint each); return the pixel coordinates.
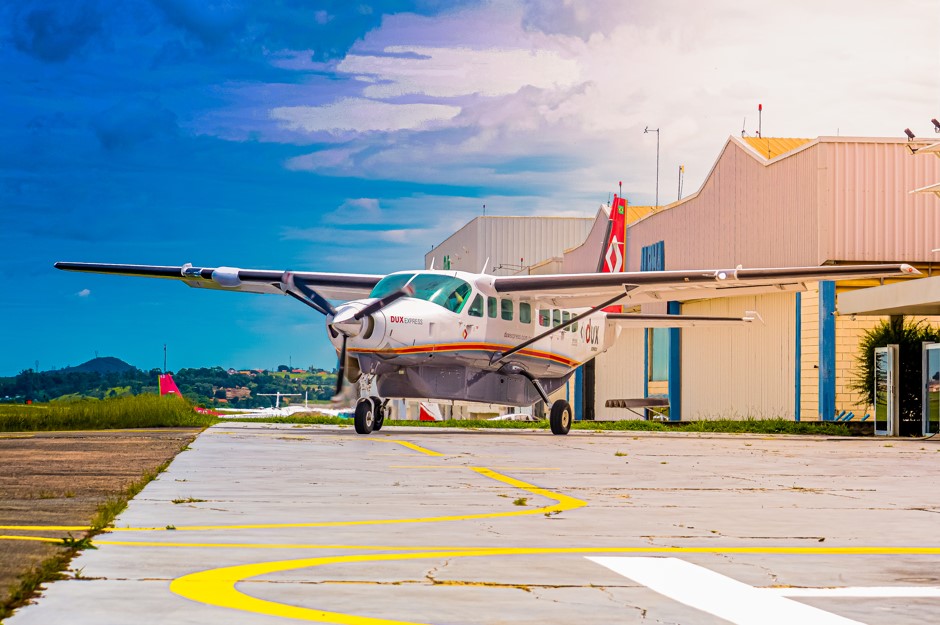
(365, 416)
(379, 412)
(559, 417)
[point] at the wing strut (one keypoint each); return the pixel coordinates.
(500, 356)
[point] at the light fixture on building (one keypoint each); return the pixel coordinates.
(910, 135)
(936, 124)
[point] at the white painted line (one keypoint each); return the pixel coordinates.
(859, 591)
(717, 594)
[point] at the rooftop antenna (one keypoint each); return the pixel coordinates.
(164, 358)
(681, 175)
(744, 127)
(760, 112)
(608, 199)
(484, 210)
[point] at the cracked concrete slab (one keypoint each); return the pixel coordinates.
(278, 523)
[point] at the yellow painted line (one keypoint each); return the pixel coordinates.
(423, 450)
(563, 503)
(6, 436)
(131, 543)
(36, 538)
(216, 587)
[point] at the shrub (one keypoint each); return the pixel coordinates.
(909, 335)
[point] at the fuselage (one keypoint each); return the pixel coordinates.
(456, 321)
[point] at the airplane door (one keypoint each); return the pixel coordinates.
(931, 401)
(886, 390)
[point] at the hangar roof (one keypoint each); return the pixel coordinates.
(772, 147)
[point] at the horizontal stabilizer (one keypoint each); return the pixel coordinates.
(639, 320)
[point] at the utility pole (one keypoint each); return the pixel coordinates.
(681, 173)
(656, 130)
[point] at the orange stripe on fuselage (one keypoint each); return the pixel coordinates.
(468, 347)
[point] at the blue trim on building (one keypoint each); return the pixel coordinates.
(578, 393)
(675, 365)
(798, 357)
(652, 258)
(827, 350)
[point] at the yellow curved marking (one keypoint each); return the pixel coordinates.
(563, 503)
(216, 587)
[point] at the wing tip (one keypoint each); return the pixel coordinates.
(909, 269)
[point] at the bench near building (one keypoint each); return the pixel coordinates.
(765, 203)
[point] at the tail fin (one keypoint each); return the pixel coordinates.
(429, 412)
(614, 259)
(168, 386)
(614, 248)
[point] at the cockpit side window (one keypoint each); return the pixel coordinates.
(476, 308)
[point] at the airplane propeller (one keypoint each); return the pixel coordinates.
(347, 323)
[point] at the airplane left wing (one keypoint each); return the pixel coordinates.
(578, 290)
(335, 286)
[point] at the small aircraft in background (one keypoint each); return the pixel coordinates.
(510, 340)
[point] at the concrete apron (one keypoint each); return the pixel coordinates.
(275, 523)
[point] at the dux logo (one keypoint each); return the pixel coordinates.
(614, 258)
(590, 333)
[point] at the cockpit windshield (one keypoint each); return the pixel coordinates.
(447, 291)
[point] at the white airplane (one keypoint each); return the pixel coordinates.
(510, 340)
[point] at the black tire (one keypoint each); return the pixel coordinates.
(560, 417)
(379, 414)
(365, 417)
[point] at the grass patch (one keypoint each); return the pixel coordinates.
(521, 501)
(733, 426)
(53, 568)
(188, 500)
(139, 411)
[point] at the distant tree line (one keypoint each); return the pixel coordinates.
(206, 386)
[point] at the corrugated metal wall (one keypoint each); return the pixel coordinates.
(744, 371)
(619, 374)
(510, 243)
(746, 212)
(867, 212)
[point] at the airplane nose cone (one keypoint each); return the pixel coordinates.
(344, 323)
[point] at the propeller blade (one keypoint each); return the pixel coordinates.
(341, 368)
(379, 304)
(315, 300)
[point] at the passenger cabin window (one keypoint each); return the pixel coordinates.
(505, 307)
(491, 307)
(556, 317)
(565, 318)
(476, 308)
(545, 318)
(525, 312)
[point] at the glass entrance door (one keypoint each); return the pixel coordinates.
(931, 405)
(886, 384)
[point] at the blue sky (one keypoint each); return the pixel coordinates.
(344, 136)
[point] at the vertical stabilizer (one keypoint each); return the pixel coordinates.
(613, 259)
(613, 253)
(168, 385)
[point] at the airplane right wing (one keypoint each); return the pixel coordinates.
(335, 286)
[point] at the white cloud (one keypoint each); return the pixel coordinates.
(361, 210)
(546, 96)
(363, 115)
(449, 72)
(84, 293)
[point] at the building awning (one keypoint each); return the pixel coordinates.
(912, 297)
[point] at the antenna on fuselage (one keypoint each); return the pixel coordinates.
(485, 263)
